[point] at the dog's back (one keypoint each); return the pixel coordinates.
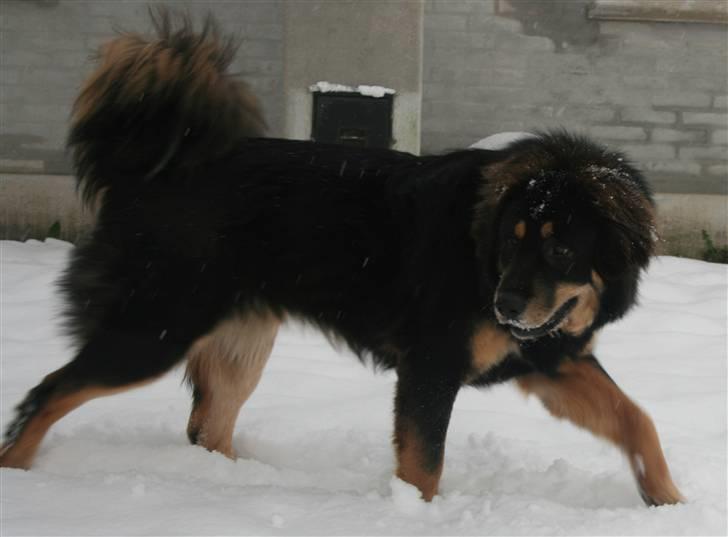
(207, 236)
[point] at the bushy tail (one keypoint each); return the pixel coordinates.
(160, 102)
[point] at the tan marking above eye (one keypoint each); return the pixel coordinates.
(547, 230)
(520, 230)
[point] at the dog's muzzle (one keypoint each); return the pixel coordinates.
(524, 331)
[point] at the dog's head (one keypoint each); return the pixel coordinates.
(565, 226)
(547, 276)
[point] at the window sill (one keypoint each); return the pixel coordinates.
(692, 11)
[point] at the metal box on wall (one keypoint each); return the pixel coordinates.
(352, 119)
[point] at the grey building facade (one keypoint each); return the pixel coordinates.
(650, 80)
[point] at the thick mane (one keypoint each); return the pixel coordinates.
(557, 171)
(615, 191)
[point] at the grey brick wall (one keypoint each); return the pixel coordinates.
(45, 50)
(657, 90)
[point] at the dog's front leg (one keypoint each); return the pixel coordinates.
(583, 393)
(422, 407)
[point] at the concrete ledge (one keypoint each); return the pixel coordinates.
(682, 217)
(31, 204)
(696, 11)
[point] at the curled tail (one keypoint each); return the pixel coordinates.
(156, 103)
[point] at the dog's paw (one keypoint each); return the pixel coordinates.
(654, 483)
(12, 457)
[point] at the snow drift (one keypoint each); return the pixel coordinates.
(314, 446)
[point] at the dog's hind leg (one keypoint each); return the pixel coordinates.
(583, 393)
(110, 362)
(224, 368)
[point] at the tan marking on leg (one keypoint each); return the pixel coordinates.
(20, 454)
(489, 345)
(520, 230)
(225, 366)
(411, 461)
(547, 230)
(588, 398)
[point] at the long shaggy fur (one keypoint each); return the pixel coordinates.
(469, 268)
(150, 101)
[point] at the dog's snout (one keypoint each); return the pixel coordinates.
(510, 304)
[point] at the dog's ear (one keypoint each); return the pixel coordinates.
(497, 181)
(484, 232)
(624, 206)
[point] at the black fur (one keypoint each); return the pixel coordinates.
(397, 255)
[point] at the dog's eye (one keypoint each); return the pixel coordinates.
(558, 254)
(560, 250)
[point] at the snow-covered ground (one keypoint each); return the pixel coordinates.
(314, 440)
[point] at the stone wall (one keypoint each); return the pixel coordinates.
(658, 90)
(46, 49)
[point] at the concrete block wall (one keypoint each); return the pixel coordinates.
(657, 90)
(45, 53)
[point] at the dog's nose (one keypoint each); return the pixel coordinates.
(509, 304)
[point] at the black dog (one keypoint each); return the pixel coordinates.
(469, 268)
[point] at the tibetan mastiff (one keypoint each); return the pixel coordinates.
(464, 269)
